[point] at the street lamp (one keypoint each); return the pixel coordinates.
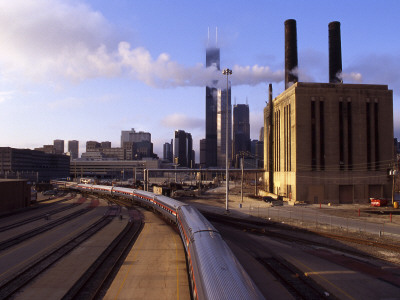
(227, 72)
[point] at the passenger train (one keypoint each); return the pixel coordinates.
(215, 272)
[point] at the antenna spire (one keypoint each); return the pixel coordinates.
(208, 40)
(216, 36)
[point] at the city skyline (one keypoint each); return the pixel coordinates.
(85, 70)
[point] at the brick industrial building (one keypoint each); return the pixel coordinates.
(331, 142)
(328, 142)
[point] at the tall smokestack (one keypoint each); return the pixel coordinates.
(335, 53)
(270, 130)
(270, 93)
(290, 53)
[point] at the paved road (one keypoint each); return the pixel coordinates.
(310, 216)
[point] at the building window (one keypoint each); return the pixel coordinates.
(290, 140)
(313, 138)
(322, 134)
(285, 166)
(368, 128)
(376, 120)
(341, 137)
(349, 137)
(279, 140)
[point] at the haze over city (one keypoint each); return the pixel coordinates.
(85, 70)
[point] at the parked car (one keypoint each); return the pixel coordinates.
(268, 199)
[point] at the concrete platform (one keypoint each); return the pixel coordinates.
(156, 266)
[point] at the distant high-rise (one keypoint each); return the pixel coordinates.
(241, 129)
(261, 137)
(73, 148)
(222, 114)
(203, 153)
(183, 149)
(106, 145)
(59, 146)
(133, 136)
(92, 146)
(168, 151)
(212, 60)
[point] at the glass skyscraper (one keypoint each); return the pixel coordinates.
(216, 117)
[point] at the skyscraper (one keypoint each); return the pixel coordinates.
(73, 148)
(241, 129)
(183, 149)
(222, 114)
(212, 60)
(214, 143)
(133, 136)
(59, 146)
(168, 151)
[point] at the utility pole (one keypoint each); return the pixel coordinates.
(241, 184)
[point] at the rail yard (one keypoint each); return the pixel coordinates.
(85, 245)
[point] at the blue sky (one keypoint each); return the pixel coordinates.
(86, 70)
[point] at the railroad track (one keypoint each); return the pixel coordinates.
(97, 278)
(296, 282)
(31, 233)
(11, 285)
(32, 219)
(35, 206)
(266, 228)
(391, 247)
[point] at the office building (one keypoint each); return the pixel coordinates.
(183, 149)
(20, 162)
(261, 137)
(121, 169)
(106, 145)
(59, 146)
(222, 114)
(133, 136)
(48, 149)
(73, 148)
(241, 131)
(212, 60)
(93, 146)
(203, 151)
(216, 114)
(143, 149)
(168, 152)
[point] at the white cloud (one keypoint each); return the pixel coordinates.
(4, 96)
(70, 102)
(50, 39)
(352, 77)
(183, 122)
(255, 75)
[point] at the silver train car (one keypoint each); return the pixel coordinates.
(215, 272)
